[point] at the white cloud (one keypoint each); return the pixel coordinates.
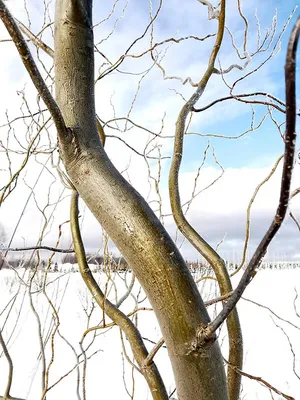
(222, 207)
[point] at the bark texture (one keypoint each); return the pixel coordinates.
(125, 215)
(233, 325)
(133, 335)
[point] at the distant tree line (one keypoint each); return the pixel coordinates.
(118, 263)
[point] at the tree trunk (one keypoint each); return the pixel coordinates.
(125, 215)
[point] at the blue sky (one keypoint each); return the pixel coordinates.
(149, 99)
(258, 147)
(188, 20)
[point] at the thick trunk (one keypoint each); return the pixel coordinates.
(125, 215)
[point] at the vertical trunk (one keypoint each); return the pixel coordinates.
(124, 214)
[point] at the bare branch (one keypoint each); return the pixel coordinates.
(197, 241)
(31, 67)
(153, 352)
(35, 40)
(139, 350)
(290, 140)
(133, 149)
(56, 250)
(261, 380)
(232, 97)
(201, 39)
(10, 367)
(122, 58)
(248, 217)
(295, 220)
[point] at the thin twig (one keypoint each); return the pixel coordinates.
(49, 248)
(290, 141)
(31, 67)
(259, 379)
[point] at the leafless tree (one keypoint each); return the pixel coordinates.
(126, 217)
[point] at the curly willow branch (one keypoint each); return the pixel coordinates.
(139, 350)
(218, 265)
(290, 141)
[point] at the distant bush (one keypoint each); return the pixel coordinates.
(16, 261)
(95, 259)
(69, 258)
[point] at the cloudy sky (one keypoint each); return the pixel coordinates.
(230, 147)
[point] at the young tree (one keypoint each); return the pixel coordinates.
(129, 221)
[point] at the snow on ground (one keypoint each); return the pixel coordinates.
(272, 345)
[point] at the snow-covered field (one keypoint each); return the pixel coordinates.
(272, 344)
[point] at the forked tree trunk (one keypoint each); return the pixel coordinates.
(125, 215)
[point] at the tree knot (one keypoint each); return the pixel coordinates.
(203, 339)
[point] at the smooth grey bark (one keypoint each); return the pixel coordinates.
(125, 215)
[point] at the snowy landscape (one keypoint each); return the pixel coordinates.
(269, 313)
(134, 136)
